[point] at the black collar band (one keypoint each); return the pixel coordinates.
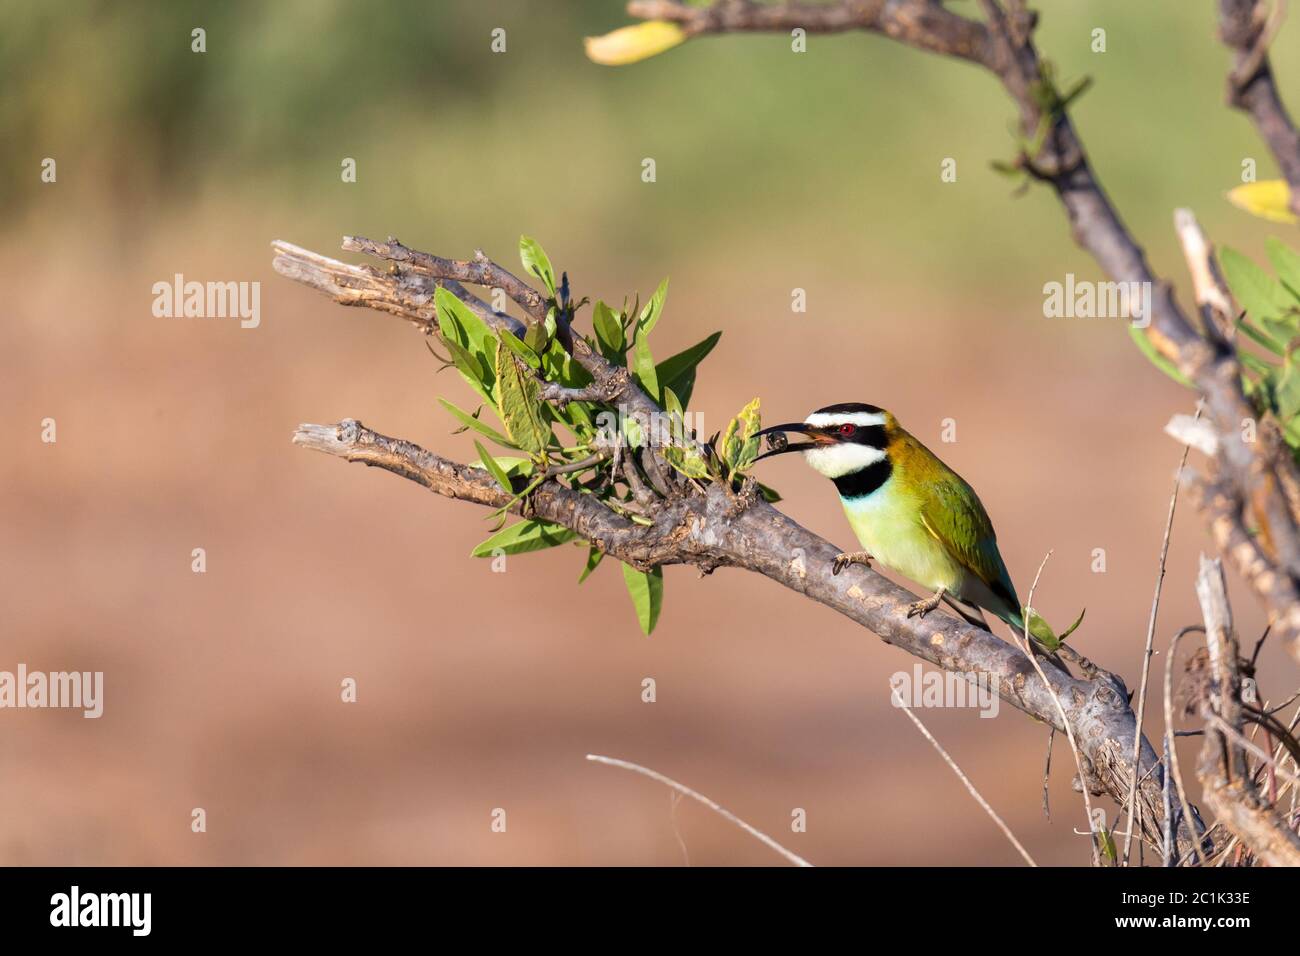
(858, 484)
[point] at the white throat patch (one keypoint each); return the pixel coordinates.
(842, 459)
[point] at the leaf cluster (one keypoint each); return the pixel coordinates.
(587, 445)
(1271, 320)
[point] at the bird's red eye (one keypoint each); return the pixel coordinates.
(847, 430)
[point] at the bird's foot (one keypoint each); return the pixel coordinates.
(923, 607)
(845, 558)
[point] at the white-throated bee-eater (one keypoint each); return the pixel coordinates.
(910, 512)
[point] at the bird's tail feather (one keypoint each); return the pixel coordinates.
(1039, 629)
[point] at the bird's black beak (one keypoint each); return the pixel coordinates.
(778, 444)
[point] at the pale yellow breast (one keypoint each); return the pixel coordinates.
(890, 529)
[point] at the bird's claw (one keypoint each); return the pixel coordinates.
(845, 558)
(926, 605)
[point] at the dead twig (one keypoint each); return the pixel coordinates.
(1084, 777)
(1151, 631)
(970, 787)
(720, 810)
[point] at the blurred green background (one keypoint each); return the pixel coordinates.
(775, 171)
(780, 152)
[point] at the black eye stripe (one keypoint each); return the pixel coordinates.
(871, 435)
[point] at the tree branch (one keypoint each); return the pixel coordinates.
(1223, 768)
(1247, 30)
(409, 294)
(480, 270)
(926, 26)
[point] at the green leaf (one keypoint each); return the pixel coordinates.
(739, 442)
(494, 469)
(609, 332)
(678, 371)
(464, 332)
(558, 366)
(1288, 391)
(1010, 170)
(576, 417)
(469, 330)
(1079, 87)
(536, 262)
(1260, 338)
(1281, 330)
(1073, 627)
(518, 404)
(523, 350)
(528, 535)
(1148, 349)
(1257, 292)
(1107, 844)
(644, 367)
(751, 423)
(470, 369)
(728, 442)
(536, 339)
(1286, 262)
(653, 310)
(1255, 364)
(647, 593)
(1266, 385)
(469, 421)
(687, 460)
(594, 557)
(515, 467)
(632, 431)
(770, 495)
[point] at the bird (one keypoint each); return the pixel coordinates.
(910, 512)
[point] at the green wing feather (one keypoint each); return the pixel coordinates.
(954, 515)
(952, 512)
